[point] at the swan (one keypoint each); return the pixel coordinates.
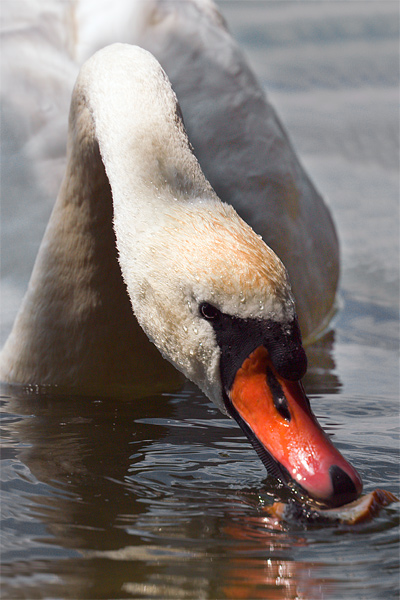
(139, 247)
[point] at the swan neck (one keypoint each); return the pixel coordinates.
(139, 129)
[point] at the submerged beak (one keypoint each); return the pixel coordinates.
(276, 415)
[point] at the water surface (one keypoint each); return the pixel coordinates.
(165, 498)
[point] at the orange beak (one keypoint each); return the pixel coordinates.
(277, 413)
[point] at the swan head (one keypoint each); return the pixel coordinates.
(217, 302)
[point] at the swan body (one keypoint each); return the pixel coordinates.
(206, 289)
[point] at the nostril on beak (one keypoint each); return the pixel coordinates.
(344, 489)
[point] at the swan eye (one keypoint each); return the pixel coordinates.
(208, 311)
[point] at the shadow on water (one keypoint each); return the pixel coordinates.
(156, 498)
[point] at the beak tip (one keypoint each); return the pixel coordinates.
(345, 488)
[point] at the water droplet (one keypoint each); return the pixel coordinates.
(185, 328)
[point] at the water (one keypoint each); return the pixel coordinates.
(164, 498)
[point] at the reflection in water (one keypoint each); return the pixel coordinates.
(321, 376)
(118, 492)
(159, 498)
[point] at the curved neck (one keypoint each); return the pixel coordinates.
(147, 157)
(138, 126)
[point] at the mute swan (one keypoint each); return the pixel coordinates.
(208, 292)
